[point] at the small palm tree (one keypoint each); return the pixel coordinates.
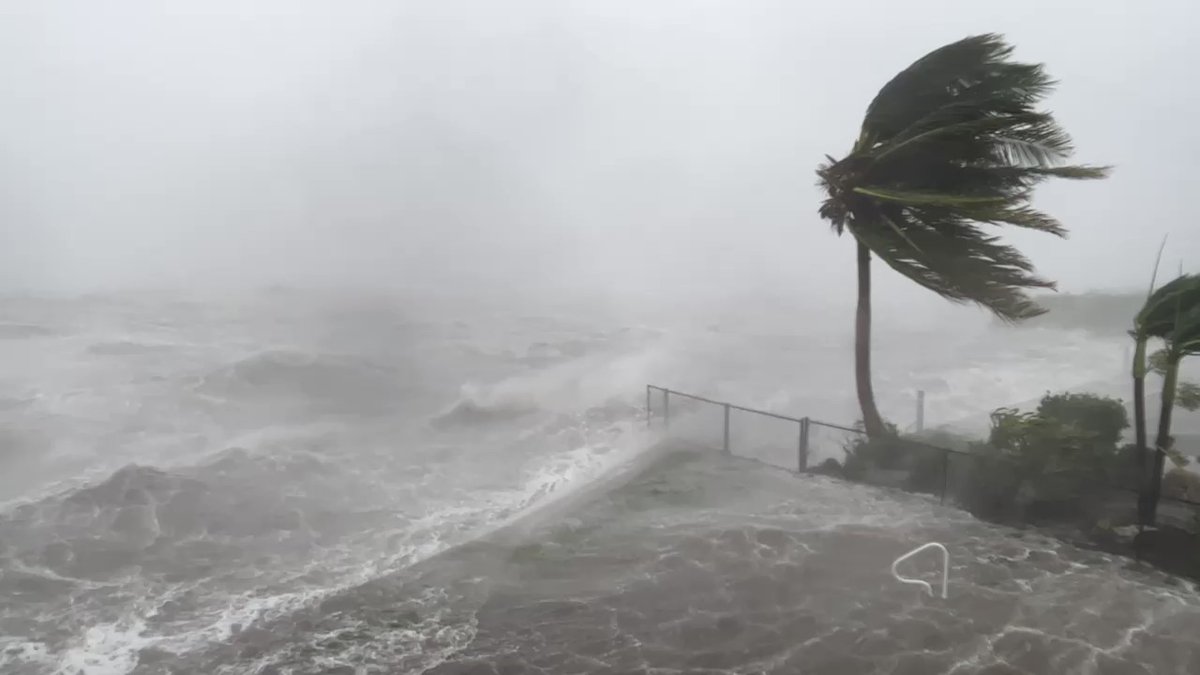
(1156, 319)
(1148, 320)
(950, 144)
(1173, 314)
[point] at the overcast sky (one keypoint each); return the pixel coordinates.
(665, 145)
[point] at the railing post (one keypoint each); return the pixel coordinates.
(945, 474)
(726, 428)
(802, 450)
(649, 413)
(666, 408)
(920, 411)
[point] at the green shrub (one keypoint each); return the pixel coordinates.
(946, 439)
(989, 487)
(1126, 469)
(1181, 484)
(1034, 464)
(1049, 460)
(922, 462)
(863, 453)
(1099, 418)
(939, 456)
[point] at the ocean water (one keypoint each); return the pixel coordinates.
(292, 482)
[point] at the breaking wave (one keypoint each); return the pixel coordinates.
(327, 383)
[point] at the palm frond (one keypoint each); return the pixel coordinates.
(1020, 216)
(967, 266)
(1184, 339)
(1018, 137)
(915, 197)
(943, 76)
(1166, 305)
(1157, 260)
(934, 174)
(1081, 172)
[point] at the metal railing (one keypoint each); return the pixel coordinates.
(684, 421)
(770, 437)
(794, 442)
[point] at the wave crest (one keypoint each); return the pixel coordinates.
(327, 382)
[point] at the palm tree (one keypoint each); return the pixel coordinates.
(951, 143)
(1156, 319)
(1175, 317)
(1143, 324)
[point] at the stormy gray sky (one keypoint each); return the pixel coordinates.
(665, 145)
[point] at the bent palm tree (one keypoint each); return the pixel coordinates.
(951, 143)
(1176, 319)
(1142, 325)
(1156, 319)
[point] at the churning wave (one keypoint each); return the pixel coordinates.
(128, 348)
(22, 331)
(151, 560)
(476, 408)
(325, 383)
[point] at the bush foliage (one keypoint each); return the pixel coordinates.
(1047, 462)
(1040, 463)
(921, 458)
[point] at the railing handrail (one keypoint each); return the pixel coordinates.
(731, 406)
(798, 420)
(921, 582)
(838, 427)
(768, 413)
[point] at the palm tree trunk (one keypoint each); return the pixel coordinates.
(872, 422)
(1163, 442)
(1139, 431)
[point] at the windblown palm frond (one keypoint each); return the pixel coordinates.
(1166, 306)
(953, 142)
(1184, 338)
